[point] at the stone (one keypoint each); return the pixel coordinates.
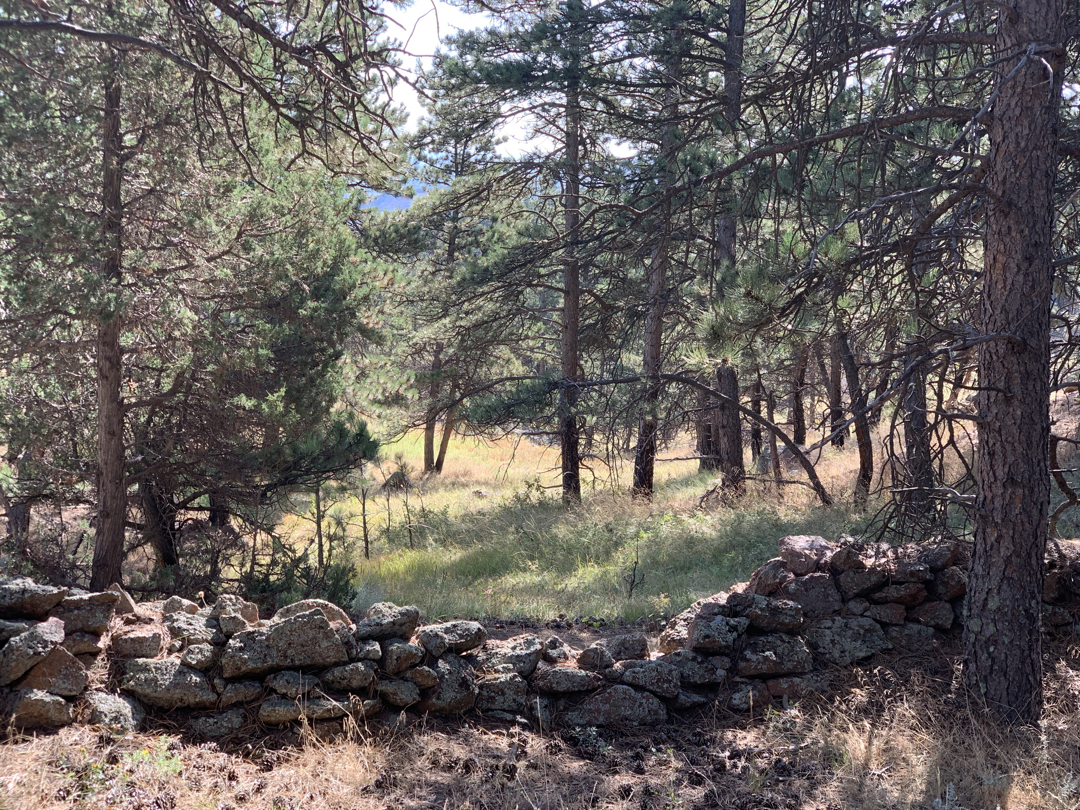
(815, 593)
(34, 708)
(941, 554)
(193, 629)
(803, 554)
(562, 680)
(770, 577)
(277, 711)
(797, 686)
(889, 613)
(303, 641)
(658, 677)
(199, 656)
(385, 620)
(856, 583)
(523, 653)
(933, 614)
(399, 693)
(595, 658)
(368, 650)
(767, 614)
(120, 714)
(455, 637)
(168, 684)
(950, 583)
(399, 655)
(291, 684)
(676, 632)
(60, 673)
(456, 691)
(231, 624)
(178, 604)
(556, 651)
(917, 638)
(502, 693)
(22, 597)
(774, 655)
(748, 696)
(424, 677)
(846, 558)
(140, 641)
(353, 677)
(845, 641)
(125, 605)
(857, 606)
(231, 605)
(715, 635)
(618, 706)
(9, 628)
(693, 667)
(1056, 616)
(218, 725)
(366, 709)
(909, 593)
(88, 613)
(240, 692)
(331, 611)
(688, 700)
(29, 648)
(901, 571)
(628, 647)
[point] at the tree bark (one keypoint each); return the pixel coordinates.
(862, 424)
(111, 487)
(432, 416)
(729, 430)
(798, 407)
(917, 444)
(447, 432)
(159, 522)
(708, 446)
(755, 429)
(1002, 637)
(836, 397)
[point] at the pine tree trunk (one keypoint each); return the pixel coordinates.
(755, 428)
(798, 407)
(571, 312)
(836, 397)
(447, 432)
(1002, 636)
(432, 416)
(111, 487)
(862, 424)
(917, 445)
(708, 447)
(729, 430)
(159, 522)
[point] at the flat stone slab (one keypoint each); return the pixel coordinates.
(618, 706)
(29, 648)
(304, 641)
(168, 684)
(845, 641)
(22, 597)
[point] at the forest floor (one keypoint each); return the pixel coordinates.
(897, 735)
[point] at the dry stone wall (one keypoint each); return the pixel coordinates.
(817, 607)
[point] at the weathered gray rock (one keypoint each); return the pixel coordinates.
(60, 673)
(125, 605)
(385, 620)
(857, 606)
(658, 677)
(693, 667)
(193, 629)
(178, 604)
(399, 655)
(521, 652)
(291, 684)
(769, 578)
(618, 706)
(399, 693)
(917, 638)
(22, 597)
(889, 613)
(218, 725)
(120, 714)
(688, 700)
(424, 677)
(856, 583)
(331, 611)
(350, 677)
(456, 691)
(774, 655)
(767, 614)
(803, 553)
(901, 570)
(29, 648)
(231, 605)
(934, 614)
(750, 696)
(846, 558)
(240, 692)
(909, 593)
(715, 635)
(140, 641)
(303, 641)
(502, 693)
(595, 658)
(676, 633)
(562, 680)
(845, 641)
(797, 686)
(34, 708)
(455, 637)
(949, 583)
(277, 711)
(168, 684)
(815, 593)
(88, 613)
(368, 650)
(556, 651)
(9, 628)
(628, 647)
(232, 623)
(940, 554)
(200, 656)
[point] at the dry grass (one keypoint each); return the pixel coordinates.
(896, 735)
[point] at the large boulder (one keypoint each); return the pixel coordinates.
(815, 593)
(774, 655)
(845, 641)
(505, 692)
(87, 612)
(34, 708)
(766, 614)
(60, 673)
(455, 637)
(22, 597)
(658, 677)
(715, 635)
(385, 620)
(168, 684)
(804, 554)
(456, 691)
(119, 713)
(618, 706)
(331, 611)
(28, 648)
(562, 680)
(304, 641)
(193, 629)
(521, 652)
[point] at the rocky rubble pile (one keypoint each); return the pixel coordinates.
(816, 607)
